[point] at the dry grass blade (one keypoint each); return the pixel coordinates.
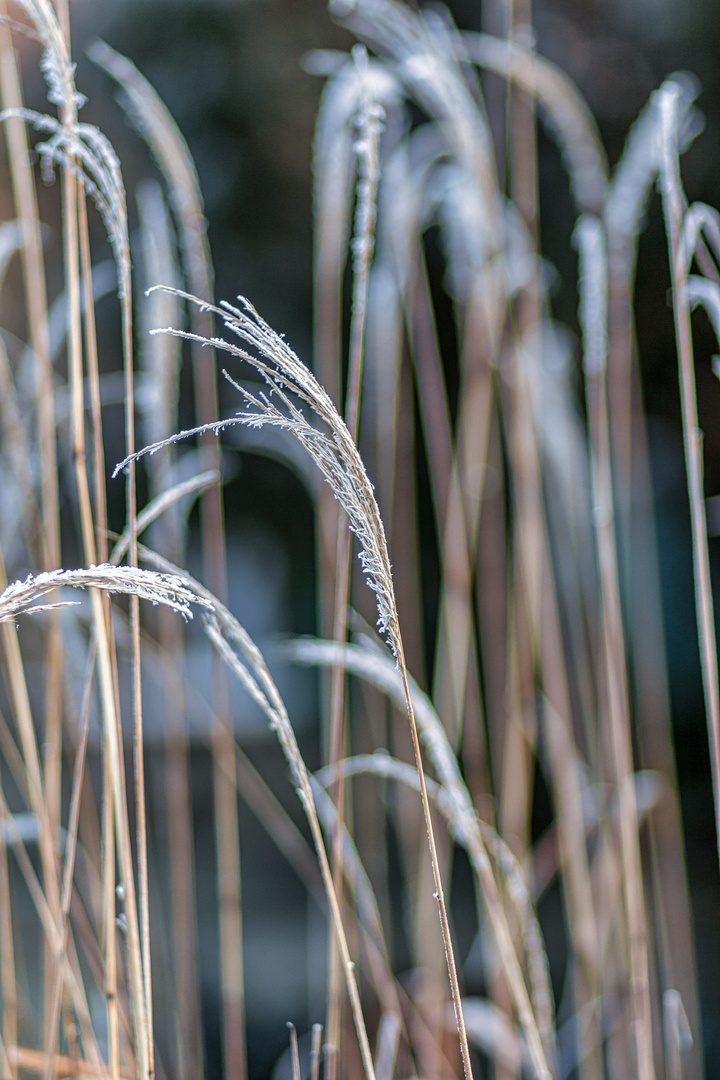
(379, 670)
(364, 899)
(69, 869)
(90, 163)
(569, 117)
(35, 290)
(369, 122)
(237, 649)
(677, 1033)
(593, 315)
(51, 929)
(340, 463)
(295, 1054)
(673, 205)
(387, 1046)
(315, 1052)
(513, 878)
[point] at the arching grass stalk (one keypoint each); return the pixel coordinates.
(22, 597)
(590, 240)
(370, 664)
(369, 123)
(337, 457)
(239, 652)
(681, 250)
(90, 164)
(149, 115)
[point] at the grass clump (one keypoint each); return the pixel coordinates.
(516, 661)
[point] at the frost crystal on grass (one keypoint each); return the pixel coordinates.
(333, 450)
(147, 584)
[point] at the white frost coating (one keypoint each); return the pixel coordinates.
(147, 584)
(700, 290)
(590, 240)
(332, 450)
(700, 218)
(640, 163)
(86, 152)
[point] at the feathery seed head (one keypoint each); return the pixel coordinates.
(332, 449)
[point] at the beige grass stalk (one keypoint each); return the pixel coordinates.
(369, 121)
(8, 985)
(99, 524)
(18, 688)
(22, 597)
(593, 316)
(71, 834)
(73, 195)
(625, 205)
(35, 293)
(49, 921)
(516, 791)
(378, 669)
(340, 463)
(84, 152)
(36, 301)
(165, 141)
(299, 855)
(244, 659)
(5, 1067)
(108, 922)
(100, 544)
(35, 289)
(161, 359)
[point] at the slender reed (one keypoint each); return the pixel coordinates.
(152, 119)
(367, 147)
(341, 465)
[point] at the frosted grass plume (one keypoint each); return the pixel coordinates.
(333, 451)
